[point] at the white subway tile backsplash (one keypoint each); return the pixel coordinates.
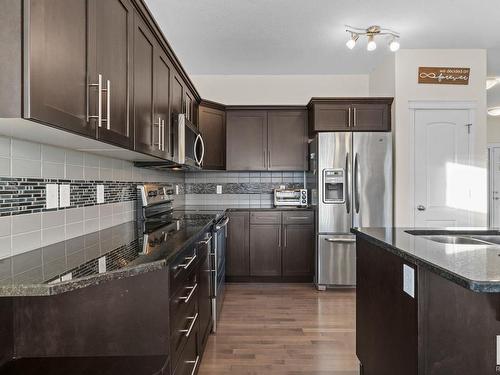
(53, 219)
(4, 147)
(26, 223)
(74, 172)
(74, 230)
(91, 225)
(4, 166)
(53, 235)
(105, 210)
(25, 150)
(5, 247)
(52, 170)
(91, 160)
(91, 212)
(74, 157)
(74, 215)
(53, 154)
(106, 174)
(26, 242)
(5, 226)
(91, 173)
(26, 168)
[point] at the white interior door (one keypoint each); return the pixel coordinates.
(442, 190)
(495, 187)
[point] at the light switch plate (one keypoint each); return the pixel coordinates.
(409, 280)
(100, 194)
(67, 277)
(51, 196)
(219, 189)
(176, 189)
(102, 264)
(64, 196)
(282, 187)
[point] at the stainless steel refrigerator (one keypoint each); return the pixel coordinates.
(351, 186)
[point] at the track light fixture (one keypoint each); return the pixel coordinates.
(371, 32)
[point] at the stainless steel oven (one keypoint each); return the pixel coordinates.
(188, 145)
(218, 268)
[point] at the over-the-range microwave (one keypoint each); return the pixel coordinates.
(188, 145)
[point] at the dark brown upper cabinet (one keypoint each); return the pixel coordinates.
(162, 114)
(111, 35)
(349, 114)
(177, 94)
(147, 128)
(58, 55)
(260, 139)
(246, 140)
(287, 140)
(189, 106)
(212, 125)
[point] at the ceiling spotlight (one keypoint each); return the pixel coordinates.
(371, 46)
(371, 33)
(352, 41)
(493, 81)
(495, 111)
(394, 44)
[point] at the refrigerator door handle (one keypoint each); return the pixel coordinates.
(346, 178)
(356, 183)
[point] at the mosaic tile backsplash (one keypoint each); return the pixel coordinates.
(254, 189)
(25, 169)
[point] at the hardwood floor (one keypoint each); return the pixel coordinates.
(280, 329)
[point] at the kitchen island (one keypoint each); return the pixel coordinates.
(428, 301)
(104, 303)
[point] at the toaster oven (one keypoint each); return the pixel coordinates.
(290, 197)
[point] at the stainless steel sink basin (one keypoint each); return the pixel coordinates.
(458, 240)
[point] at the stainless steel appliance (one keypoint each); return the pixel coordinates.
(351, 187)
(290, 197)
(218, 268)
(188, 145)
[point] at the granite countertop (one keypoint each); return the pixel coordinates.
(476, 267)
(74, 263)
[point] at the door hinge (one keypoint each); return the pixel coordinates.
(468, 128)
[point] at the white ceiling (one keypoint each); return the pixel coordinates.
(307, 36)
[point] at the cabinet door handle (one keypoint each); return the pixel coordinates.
(108, 104)
(355, 120)
(188, 297)
(195, 362)
(269, 158)
(193, 319)
(205, 241)
(279, 237)
(349, 119)
(284, 237)
(99, 100)
(186, 265)
(163, 135)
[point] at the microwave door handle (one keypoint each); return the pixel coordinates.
(198, 162)
(202, 149)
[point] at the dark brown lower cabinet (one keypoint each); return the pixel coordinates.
(237, 244)
(204, 294)
(265, 250)
(298, 250)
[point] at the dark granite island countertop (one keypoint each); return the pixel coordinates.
(475, 267)
(112, 253)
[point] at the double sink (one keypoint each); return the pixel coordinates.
(485, 238)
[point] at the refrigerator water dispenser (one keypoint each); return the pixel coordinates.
(334, 185)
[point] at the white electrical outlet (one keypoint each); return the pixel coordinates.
(176, 189)
(102, 264)
(219, 189)
(100, 194)
(67, 277)
(409, 280)
(282, 187)
(64, 196)
(51, 196)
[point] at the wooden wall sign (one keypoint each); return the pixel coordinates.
(443, 76)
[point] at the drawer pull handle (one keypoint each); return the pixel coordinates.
(188, 297)
(206, 241)
(299, 217)
(186, 265)
(193, 319)
(195, 362)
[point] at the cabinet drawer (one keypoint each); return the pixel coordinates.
(189, 360)
(298, 217)
(265, 217)
(181, 267)
(183, 316)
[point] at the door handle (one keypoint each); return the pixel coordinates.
(347, 192)
(421, 207)
(341, 240)
(356, 183)
(99, 100)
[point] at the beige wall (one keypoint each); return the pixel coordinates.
(407, 89)
(277, 89)
(493, 129)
